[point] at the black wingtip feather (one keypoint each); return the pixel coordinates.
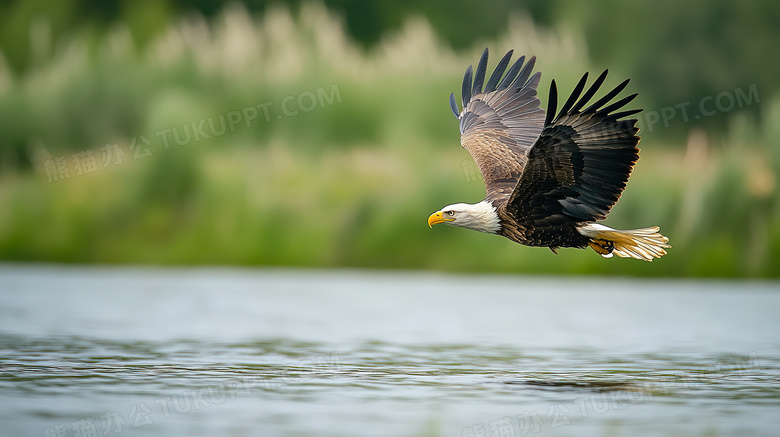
(552, 103)
(609, 96)
(479, 77)
(466, 91)
(619, 104)
(511, 75)
(525, 73)
(454, 105)
(619, 115)
(591, 91)
(534, 80)
(574, 95)
(498, 72)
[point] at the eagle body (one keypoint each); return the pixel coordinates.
(548, 176)
(555, 235)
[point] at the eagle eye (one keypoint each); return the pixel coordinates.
(451, 213)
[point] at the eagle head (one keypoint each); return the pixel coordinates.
(481, 216)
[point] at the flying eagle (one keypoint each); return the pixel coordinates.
(548, 179)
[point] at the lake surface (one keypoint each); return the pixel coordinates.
(222, 352)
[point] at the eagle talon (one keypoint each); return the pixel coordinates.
(602, 247)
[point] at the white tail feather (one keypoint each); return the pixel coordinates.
(645, 244)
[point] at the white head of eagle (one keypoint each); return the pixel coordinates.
(480, 216)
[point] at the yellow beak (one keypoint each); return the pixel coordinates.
(436, 218)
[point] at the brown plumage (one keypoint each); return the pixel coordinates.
(548, 179)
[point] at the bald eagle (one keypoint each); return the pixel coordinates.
(548, 178)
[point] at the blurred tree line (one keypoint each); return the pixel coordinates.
(687, 51)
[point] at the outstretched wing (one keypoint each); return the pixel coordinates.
(580, 164)
(500, 123)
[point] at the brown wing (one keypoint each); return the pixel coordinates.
(580, 164)
(500, 123)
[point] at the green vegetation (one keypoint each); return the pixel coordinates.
(356, 148)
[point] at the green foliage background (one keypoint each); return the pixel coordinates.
(350, 182)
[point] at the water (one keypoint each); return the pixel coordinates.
(98, 352)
